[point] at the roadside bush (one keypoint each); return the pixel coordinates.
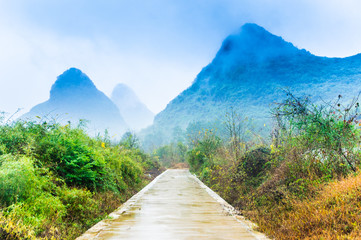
(334, 213)
(41, 213)
(14, 137)
(203, 150)
(18, 179)
(170, 155)
(81, 207)
(56, 181)
(67, 152)
(328, 129)
(254, 161)
(13, 230)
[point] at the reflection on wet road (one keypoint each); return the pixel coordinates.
(176, 206)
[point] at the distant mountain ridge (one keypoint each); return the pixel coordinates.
(135, 113)
(74, 96)
(248, 73)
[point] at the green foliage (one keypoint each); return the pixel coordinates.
(130, 140)
(328, 129)
(313, 146)
(204, 149)
(18, 179)
(39, 212)
(67, 152)
(14, 138)
(81, 207)
(170, 155)
(12, 230)
(254, 162)
(56, 181)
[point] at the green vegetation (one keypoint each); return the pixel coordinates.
(56, 181)
(172, 154)
(304, 185)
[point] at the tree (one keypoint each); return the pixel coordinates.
(329, 127)
(237, 127)
(130, 140)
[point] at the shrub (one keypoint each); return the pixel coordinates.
(80, 205)
(67, 152)
(171, 154)
(334, 213)
(56, 181)
(14, 137)
(13, 230)
(254, 161)
(329, 128)
(40, 213)
(18, 179)
(201, 154)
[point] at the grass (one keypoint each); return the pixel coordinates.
(334, 213)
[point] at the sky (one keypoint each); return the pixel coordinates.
(157, 47)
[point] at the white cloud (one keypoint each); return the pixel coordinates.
(31, 59)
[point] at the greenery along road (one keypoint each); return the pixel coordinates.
(56, 181)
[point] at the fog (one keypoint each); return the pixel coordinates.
(156, 47)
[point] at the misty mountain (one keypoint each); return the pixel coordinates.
(135, 113)
(248, 73)
(74, 96)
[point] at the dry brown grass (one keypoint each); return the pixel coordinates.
(182, 165)
(335, 213)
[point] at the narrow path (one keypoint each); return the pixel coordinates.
(176, 205)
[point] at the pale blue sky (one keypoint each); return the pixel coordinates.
(157, 47)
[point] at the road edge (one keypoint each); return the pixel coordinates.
(94, 231)
(232, 211)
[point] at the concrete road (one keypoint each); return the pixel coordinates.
(176, 205)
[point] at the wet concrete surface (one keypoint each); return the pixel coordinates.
(175, 207)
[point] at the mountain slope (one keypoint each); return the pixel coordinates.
(135, 113)
(74, 96)
(248, 73)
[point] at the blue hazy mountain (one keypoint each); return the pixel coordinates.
(248, 73)
(135, 113)
(74, 96)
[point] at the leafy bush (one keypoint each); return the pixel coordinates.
(329, 129)
(56, 181)
(14, 138)
(12, 230)
(203, 150)
(170, 155)
(40, 213)
(81, 207)
(67, 152)
(254, 161)
(18, 179)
